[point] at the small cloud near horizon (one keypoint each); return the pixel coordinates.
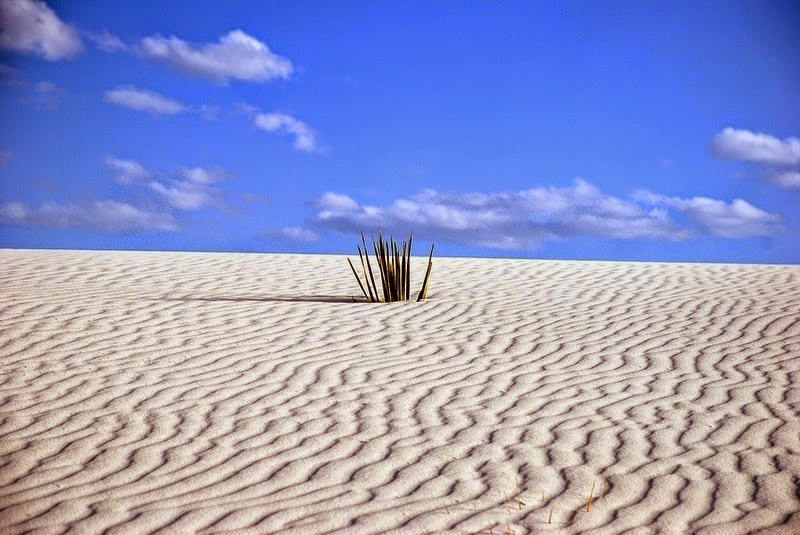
(104, 216)
(290, 235)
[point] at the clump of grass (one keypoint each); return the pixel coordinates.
(394, 269)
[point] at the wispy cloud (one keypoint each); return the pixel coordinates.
(305, 138)
(144, 100)
(108, 42)
(127, 171)
(11, 76)
(187, 189)
(236, 56)
(527, 219)
(104, 216)
(156, 103)
(30, 26)
(290, 235)
(192, 189)
(45, 95)
(787, 179)
(781, 158)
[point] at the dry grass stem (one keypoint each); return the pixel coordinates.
(591, 495)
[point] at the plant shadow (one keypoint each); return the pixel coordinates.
(272, 298)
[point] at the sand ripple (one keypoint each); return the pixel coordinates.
(248, 393)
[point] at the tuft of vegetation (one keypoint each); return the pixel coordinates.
(394, 269)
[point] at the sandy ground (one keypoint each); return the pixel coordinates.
(244, 393)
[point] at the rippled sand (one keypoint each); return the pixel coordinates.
(248, 393)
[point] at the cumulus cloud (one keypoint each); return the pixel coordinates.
(781, 158)
(192, 189)
(236, 56)
(30, 26)
(127, 171)
(747, 146)
(143, 100)
(712, 217)
(527, 219)
(305, 139)
(291, 235)
(106, 216)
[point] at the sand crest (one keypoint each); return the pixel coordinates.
(244, 393)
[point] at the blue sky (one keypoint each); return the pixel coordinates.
(657, 131)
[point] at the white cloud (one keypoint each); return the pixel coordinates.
(291, 234)
(781, 159)
(31, 26)
(526, 219)
(236, 56)
(127, 171)
(514, 220)
(737, 219)
(201, 175)
(305, 139)
(787, 179)
(744, 145)
(143, 100)
(108, 42)
(104, 216)
(187, 189)
(192, 190)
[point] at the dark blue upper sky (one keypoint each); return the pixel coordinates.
(588, 130)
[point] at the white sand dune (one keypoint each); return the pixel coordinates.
(244, 393)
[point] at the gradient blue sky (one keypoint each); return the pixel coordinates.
(582, 130)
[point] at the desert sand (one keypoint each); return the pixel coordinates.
(249, 393)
